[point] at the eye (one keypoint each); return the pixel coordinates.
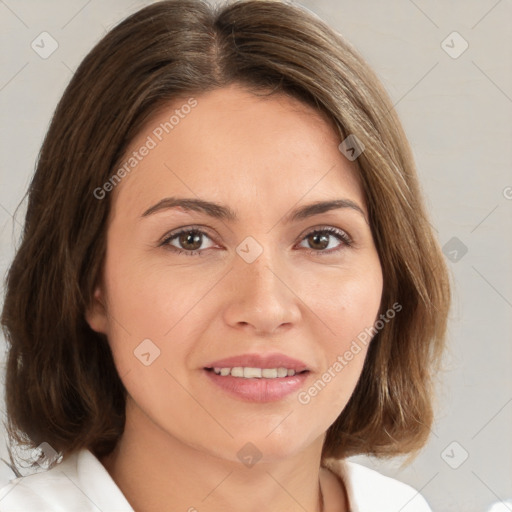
(190, 239)
(319, 239)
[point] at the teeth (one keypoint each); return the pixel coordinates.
(251, 373)
(237, 371)
(255, 373)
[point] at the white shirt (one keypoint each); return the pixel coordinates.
(80, 483)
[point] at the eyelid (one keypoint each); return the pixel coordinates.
(200, 227)
(345, 239)
(327, 227)
(191, 227)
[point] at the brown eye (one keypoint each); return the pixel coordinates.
(187, 241)
(319, 240)
(190, 240)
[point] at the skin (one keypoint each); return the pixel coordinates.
(261, 157)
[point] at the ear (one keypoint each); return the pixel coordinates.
(96, 313)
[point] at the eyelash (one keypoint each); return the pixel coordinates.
(338, 233)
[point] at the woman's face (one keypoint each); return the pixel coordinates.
(260, 288)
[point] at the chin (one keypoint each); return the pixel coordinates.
(266, 449)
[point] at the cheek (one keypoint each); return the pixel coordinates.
(346, 302)
(145, 297)
(348, 308)
(155, 318)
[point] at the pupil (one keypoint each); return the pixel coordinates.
(324, 243)
(194, 239)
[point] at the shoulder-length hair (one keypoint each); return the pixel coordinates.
(61, 383)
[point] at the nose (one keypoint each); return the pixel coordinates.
(263, 299)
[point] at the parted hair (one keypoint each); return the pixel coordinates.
(61, 384)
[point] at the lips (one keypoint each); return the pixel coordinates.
(268, 361)
(250, 377)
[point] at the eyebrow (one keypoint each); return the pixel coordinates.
(222, 212)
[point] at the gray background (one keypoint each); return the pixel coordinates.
(457, 114)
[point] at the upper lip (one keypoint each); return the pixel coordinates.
(260, 361)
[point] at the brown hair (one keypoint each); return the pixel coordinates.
(61, 383)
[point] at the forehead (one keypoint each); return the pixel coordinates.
(232, 144)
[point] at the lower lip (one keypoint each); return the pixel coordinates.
(259, 390)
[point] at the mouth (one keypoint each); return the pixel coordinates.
(257, 378)
(257, 366)
(245, 383)
(248, 372)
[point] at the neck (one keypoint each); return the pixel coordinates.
(152, 467)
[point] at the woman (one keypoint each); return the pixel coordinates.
(227, 282)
